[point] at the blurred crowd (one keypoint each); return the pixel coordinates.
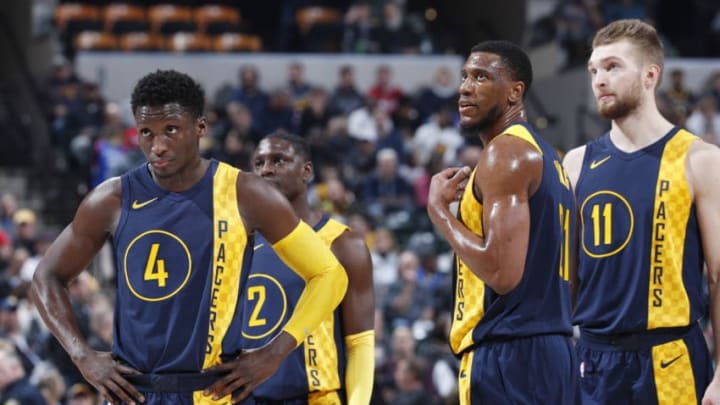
(374, 153)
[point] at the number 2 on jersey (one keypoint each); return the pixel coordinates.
(257, 292)
(155, 268)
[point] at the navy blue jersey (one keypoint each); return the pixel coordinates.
(540, 304)
(640, 256)
(315, 369)
(181, 260)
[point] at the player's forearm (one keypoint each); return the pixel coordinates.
(360, 369)
(51, 299)
(326, 281)
(469, 247)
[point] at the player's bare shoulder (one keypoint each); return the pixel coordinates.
(702, 166)
(572, 162)
(509, 163)
(261, 205)
(102, 206)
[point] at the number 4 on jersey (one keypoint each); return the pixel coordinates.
(155, 268)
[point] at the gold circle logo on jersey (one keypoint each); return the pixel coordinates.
(265, 305)
(607, 223)
(161, 265)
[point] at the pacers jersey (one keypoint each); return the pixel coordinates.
(640, 256)
(540, 304)
(181, 259)
(315, 369)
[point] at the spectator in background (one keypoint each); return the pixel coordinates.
(239, 118)
(358, 29)
(677, 94)
(297, 85)
(705, 120)
(82, 394)
(101, 329)
(385, 191)
(15, 387)
(280, 114)
(25, 223)
(332, 195)
(8, 206)
(369, 122)
(442, 91)
(408, 376)
(332, 146)
(395, 34)
(624, 9)
(384, 91)
(234, 150)
(251, 95)
(576, 21)
(438, 136)
(314, 116)
(345, 98)
(6, 253)
(10, 331)
(51, 386)
(713, 83)
(407, 300)
(385, 262)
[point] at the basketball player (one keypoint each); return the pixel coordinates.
(335, 363)
(512, 241)
(649, 197)
(182, 230)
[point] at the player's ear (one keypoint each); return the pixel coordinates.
(308, 171)
(517, 89)
(201, 125)
(652, 76)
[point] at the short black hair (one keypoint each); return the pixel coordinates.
(169, 86)
(514, 58)
(298, 143)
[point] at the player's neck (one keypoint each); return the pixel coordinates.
(513, 114)
(184, 179)
(303, 211)
(641, 128)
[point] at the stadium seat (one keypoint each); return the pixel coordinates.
(95, 41)
(234, 42)
(214, 19)
(169, 19)
(140, 41)
(120, 18)
(320, 28)
(72, 18)
(307, 17)
(187, 42)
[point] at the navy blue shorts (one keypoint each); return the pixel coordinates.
(532, 370)
(181, 398)
(673, 370)
(176, 389)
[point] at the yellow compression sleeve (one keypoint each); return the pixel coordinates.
(360, 367)
(325, 279)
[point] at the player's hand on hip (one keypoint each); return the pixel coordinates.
(106, 374)
(243, 374)
(447, 186)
